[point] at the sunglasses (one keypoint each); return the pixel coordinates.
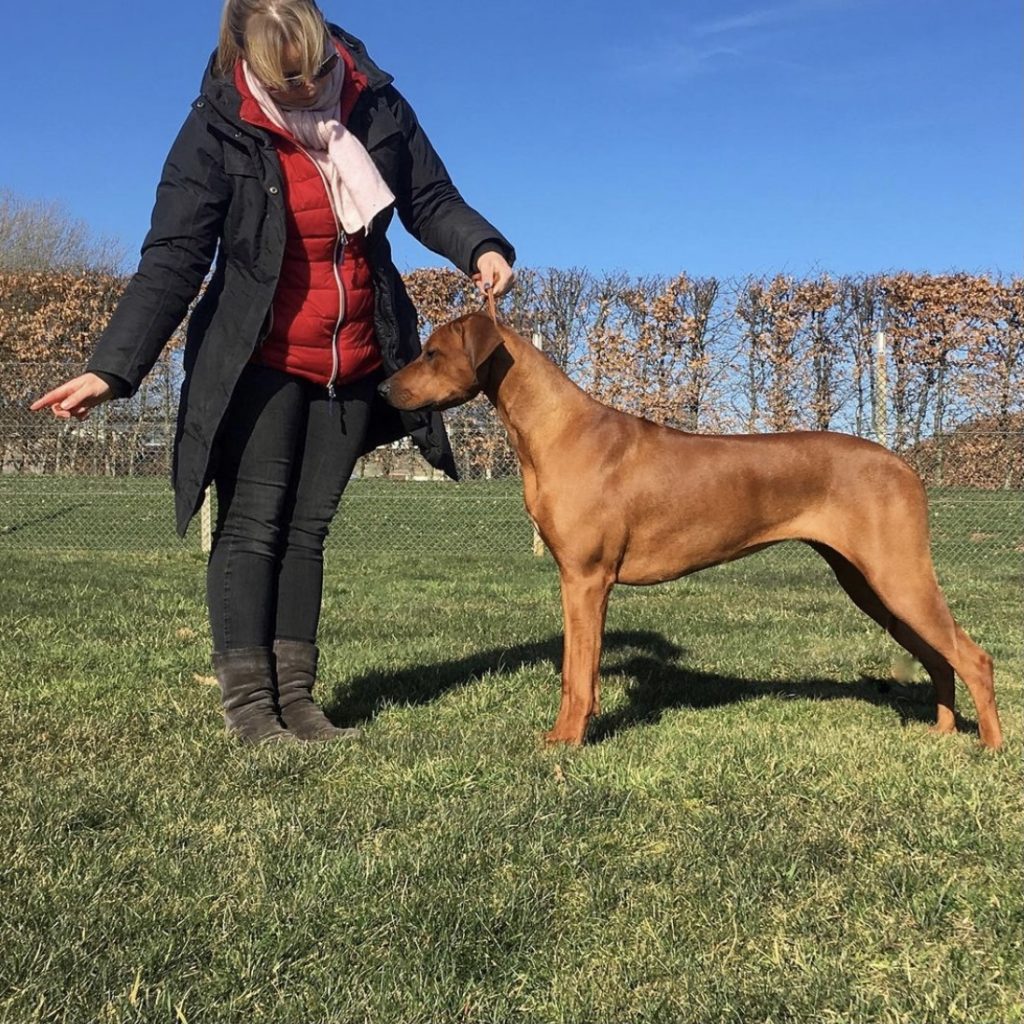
(294, 82)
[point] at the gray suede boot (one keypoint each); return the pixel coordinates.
(247, 696)
(296, 674)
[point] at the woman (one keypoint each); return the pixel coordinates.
(288, 169)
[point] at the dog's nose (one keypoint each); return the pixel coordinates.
(383, 388)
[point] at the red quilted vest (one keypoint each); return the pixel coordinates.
(322, 315)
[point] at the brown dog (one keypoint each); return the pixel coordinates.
(619, 499)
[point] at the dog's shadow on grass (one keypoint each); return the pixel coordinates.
(657, 682)
(656, 688)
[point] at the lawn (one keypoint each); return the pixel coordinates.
(761, 830)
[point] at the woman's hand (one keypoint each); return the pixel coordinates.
(74, 397)
(493, 272)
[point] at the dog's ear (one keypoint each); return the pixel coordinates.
(480, 337)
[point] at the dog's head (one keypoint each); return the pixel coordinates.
(447, 372)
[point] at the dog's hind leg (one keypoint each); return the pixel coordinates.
(919, 603)
(852, 580)
(904, 581)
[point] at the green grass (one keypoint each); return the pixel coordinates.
(762, 829)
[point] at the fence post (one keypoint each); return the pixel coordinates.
(538, 544)
(881, 395)
(205, 525)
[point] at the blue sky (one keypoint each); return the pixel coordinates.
(722, 138)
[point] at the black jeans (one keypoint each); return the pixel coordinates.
(285, 452)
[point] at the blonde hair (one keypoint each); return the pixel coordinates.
(259, 30)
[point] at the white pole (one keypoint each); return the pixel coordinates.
(881, 391)
(205, 524)
(538, 544)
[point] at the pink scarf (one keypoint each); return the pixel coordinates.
(356, 189)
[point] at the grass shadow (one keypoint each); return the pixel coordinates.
(361, 698)
(657, 688)
(658, 683)
(39, 520)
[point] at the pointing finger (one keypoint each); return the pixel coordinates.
(52, 397)
(76, 399)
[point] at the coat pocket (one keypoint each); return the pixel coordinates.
(384, 143)
(239, 163)
(251, 199)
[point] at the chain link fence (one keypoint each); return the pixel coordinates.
(103, 484)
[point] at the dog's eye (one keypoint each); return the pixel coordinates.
(429, 355)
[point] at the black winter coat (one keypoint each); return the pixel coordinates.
(220, 195)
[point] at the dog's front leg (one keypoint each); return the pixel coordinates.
(584, 604)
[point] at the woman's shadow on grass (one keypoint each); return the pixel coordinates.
(658, 683)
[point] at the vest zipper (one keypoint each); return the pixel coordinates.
(339, 254)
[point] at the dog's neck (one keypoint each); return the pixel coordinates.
(532, 396)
